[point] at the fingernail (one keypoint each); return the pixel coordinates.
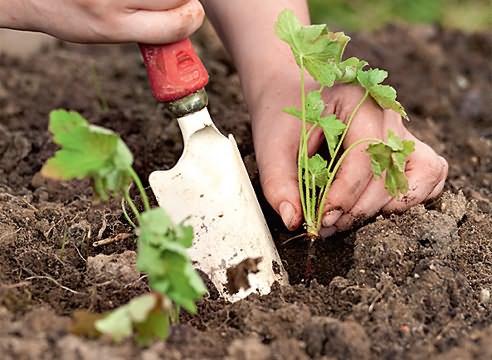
(331, 217)
(326, 232)
(287, 213)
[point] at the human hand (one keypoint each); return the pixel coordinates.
(105, 21)
(355, 194)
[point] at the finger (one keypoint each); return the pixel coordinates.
(372, 200)
(161, 27)
(276, 157)
(154, 5)
(425, 170)
(355, 172)
(314, 141)
(440, 186)
(279, 183)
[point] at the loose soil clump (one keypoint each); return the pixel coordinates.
(409, 286)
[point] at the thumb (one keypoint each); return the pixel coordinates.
(280, 187)
(277, 165)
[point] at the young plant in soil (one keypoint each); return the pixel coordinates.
(93, 152)
(319, 52)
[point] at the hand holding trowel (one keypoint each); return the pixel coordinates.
(209, 186)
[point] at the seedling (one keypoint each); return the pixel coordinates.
(93, 152)
(319, 52)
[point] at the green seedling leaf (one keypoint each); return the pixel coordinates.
(317, 170)
(146, 315)
(314, 108)
(313, 46)
(324, 73)
(332, 128)
(384, 95)
(180, 282)
(391, 157)
(162, 255)
(88, 151)
(140, 307)
(155, 327)
(349, 69)
(342, 40)
(117, 324)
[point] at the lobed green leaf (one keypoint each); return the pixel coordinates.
(162, 255)
(384, 95)
(391, 157)
(317, 169)
(146, 315)
(314, 48)
(88, 151)
(333, 128)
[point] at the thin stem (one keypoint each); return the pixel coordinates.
(310, 131)
(334, 172)
(132, 205)
(349, 122)
(125, 213)
(313, 204)
(141, 189)
(301, 144)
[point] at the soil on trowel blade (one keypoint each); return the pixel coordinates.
(410, 286)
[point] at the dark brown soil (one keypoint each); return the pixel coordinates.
(407, 286)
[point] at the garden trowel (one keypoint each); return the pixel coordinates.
(209, 187)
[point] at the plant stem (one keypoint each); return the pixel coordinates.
(347, 127)
(322, 200)
(131, 204)
(141, 189)
(333, 174)
(125, 213)
(300, 157)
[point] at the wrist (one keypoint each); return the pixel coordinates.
(272, 91)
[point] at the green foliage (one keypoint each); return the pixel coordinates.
(97, 153)
(313, 47)
(317, 169)
(384, 95)
(468, 15)
(391, 157)
(88, 151)
(146, 315)
(319, 52)
(315, 107)
(162, 254)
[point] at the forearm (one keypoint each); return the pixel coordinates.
(247, 30)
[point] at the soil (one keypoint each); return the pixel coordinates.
(408, 286)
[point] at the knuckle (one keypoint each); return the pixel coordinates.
(445, 168)
(435, 169)
(189, 20)
(270, 187)
(337, 201)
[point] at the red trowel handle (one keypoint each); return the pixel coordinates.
(174, 70)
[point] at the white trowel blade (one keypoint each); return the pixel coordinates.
(209, 189)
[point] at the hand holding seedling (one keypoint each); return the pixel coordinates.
(356, 193)
(109, 21)
(360, 120)
(271, 82)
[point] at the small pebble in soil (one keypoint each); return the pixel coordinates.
(484, 296)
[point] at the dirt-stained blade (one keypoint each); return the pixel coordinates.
(209, 189)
